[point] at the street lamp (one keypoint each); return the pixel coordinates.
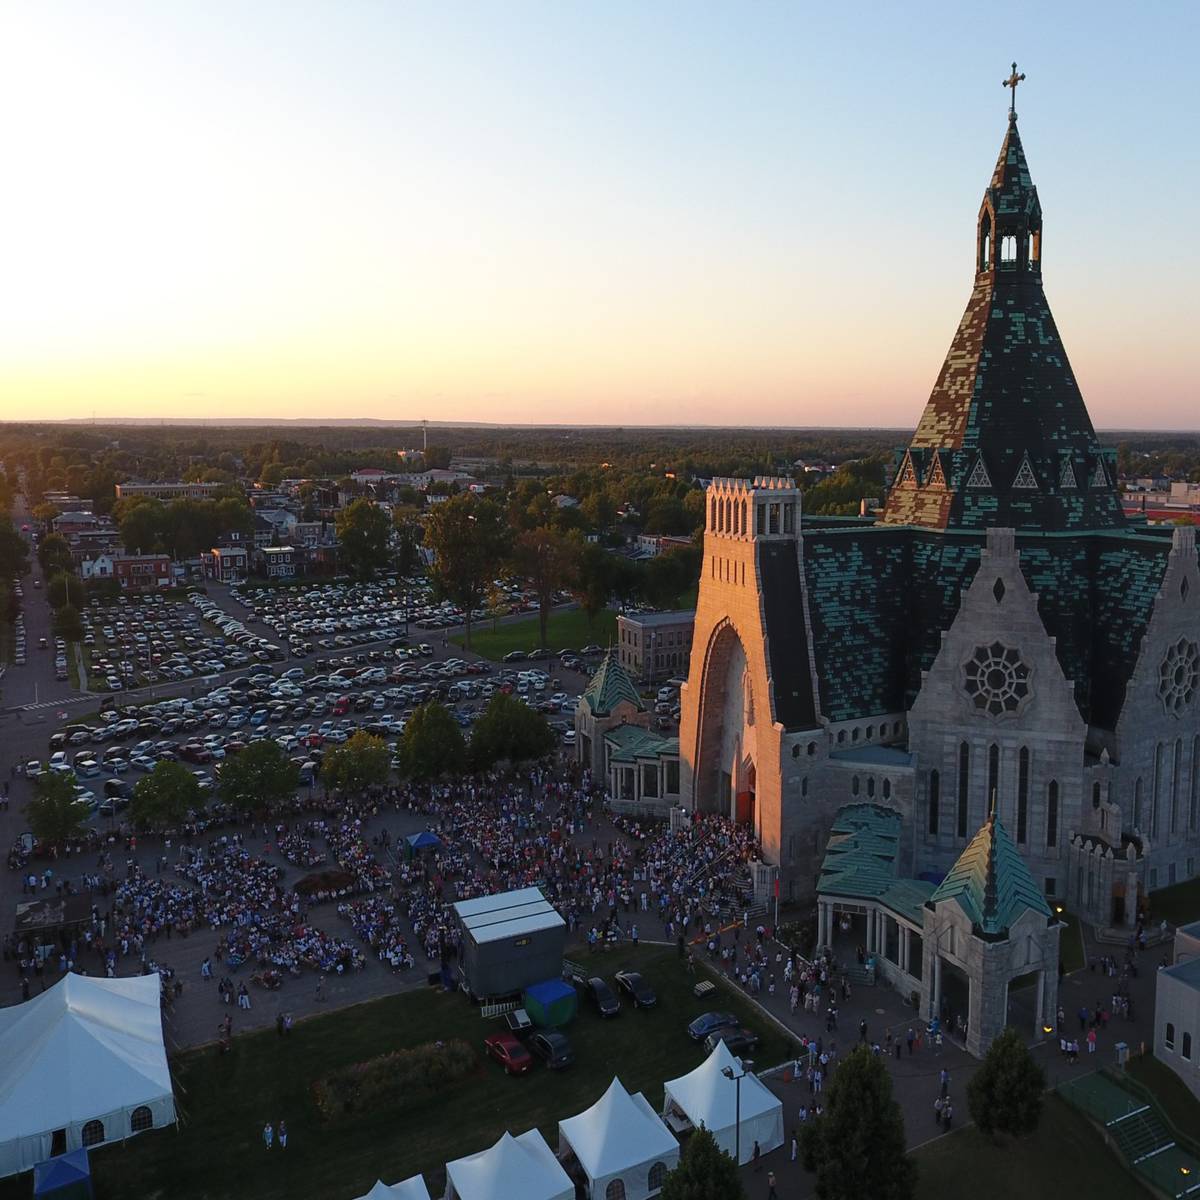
(728, 1072)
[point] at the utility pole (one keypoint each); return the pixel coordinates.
(747, 1063)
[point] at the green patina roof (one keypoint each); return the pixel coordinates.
(609, 686)
(991, 882)
(861, 862)
(633, 742)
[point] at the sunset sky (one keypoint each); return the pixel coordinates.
(603, 212)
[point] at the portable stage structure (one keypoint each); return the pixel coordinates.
(509, 941)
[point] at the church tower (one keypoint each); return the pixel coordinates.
(1005, 438)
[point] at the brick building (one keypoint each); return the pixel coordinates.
(654, 646)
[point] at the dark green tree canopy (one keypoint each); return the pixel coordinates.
(363, 531)
(163, 799)
(705, 1172)
(259, 778)
(1005, 1093)
(433, 743)
(361, 762)
(857, 1147)
(509, 729)
(54, 816)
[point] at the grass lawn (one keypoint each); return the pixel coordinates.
(567, 629)
(1169, 1090)
(225, 1100)
(1066, 1157)
(1070, 945)
(1178, 905)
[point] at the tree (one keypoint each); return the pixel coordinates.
(14, 552)
(363, 530)
(54, 553)
(543, 557)
(258, 778)
(163, 799)
(705, 1172)
(509, 729)
(142, 524)
(857, 1145)
(436, 458)
(64, 588)
(361, 762)
(408, 540)
(468, 537)
(45, 513)
(68, 625)
(54, 814)
(1005, 1094)
(433, 743)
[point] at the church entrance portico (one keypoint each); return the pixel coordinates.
(953, 1005)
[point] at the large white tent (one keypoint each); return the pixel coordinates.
(621, 1138)
(85, 1059)
(515, 1166)
(407, 1189)
(706, 1096)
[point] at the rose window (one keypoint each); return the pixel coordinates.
(1178, 676)
(997, 680)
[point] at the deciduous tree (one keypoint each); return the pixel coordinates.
(259, 778)
(163, 799)
(362, 762)
(1005, 1093)
(53, 813)
(543, 557)
(363, 530)
(705, 1172)
(509, 729)
(433, 743)
(469, 539)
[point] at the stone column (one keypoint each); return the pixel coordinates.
(1039, 1014)
(905, 934)
(937, 983)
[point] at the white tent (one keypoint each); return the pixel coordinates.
(522, 1167)
(407, 1189)
(706, 1097)
(85, 1059)
(621, 1138)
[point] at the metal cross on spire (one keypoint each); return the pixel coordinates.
(1011, 82)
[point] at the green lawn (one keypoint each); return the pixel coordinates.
(1070, 945)
(567, 629)
(1178, 905)
(1066, 1157)
(224, 1101)
(1169, 1090)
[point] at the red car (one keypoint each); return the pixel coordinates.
(509, 1053)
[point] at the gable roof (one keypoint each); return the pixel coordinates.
(609, 686)
(992, 883)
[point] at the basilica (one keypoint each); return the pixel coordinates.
(997, 673)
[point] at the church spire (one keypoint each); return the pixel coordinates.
(1005, 414)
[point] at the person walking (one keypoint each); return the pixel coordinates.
(944, 1080)
(754, 1155)
(268, 1135)
(320, 987)
(772, 1194)
(948, 1115)
(910, 1037)
(937, 1111)
(283, 1135)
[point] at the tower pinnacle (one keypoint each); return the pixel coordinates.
(1011, 82)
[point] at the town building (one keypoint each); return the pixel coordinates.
(133, 572)
(228, 564)
(177, 490)
(1000, 646)
(279, 562)
(654, 646)
(1177, 1009)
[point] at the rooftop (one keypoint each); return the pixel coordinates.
(609, 687)
(661, 618)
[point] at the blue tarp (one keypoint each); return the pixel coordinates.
(551, 990)
(419, 841)
(70, 1170)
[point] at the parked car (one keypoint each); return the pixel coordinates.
(509, 1053)
(738, 1040)
(602, 996)
(704, 1024)
(640, 992)
(553, 1048)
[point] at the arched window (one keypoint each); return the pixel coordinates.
(1187, 1047)
(964, 786)
(1137, 803)
(804, 787)
(1008, 249)
(854, 786)
(993, 792)
(870, 732)
(615, 1190)
(141, 1119)
(712, 514)
(935, 800)
(1176, 772)
(985, 241)
(871, 786)
(745, 516)
(1168, 1041)
(658, 1176)
(1158, 786)
(887, 789)
(1096, 794)
(1022, 795)
(93, 1133)
(1195, 783)
(1052, 813)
